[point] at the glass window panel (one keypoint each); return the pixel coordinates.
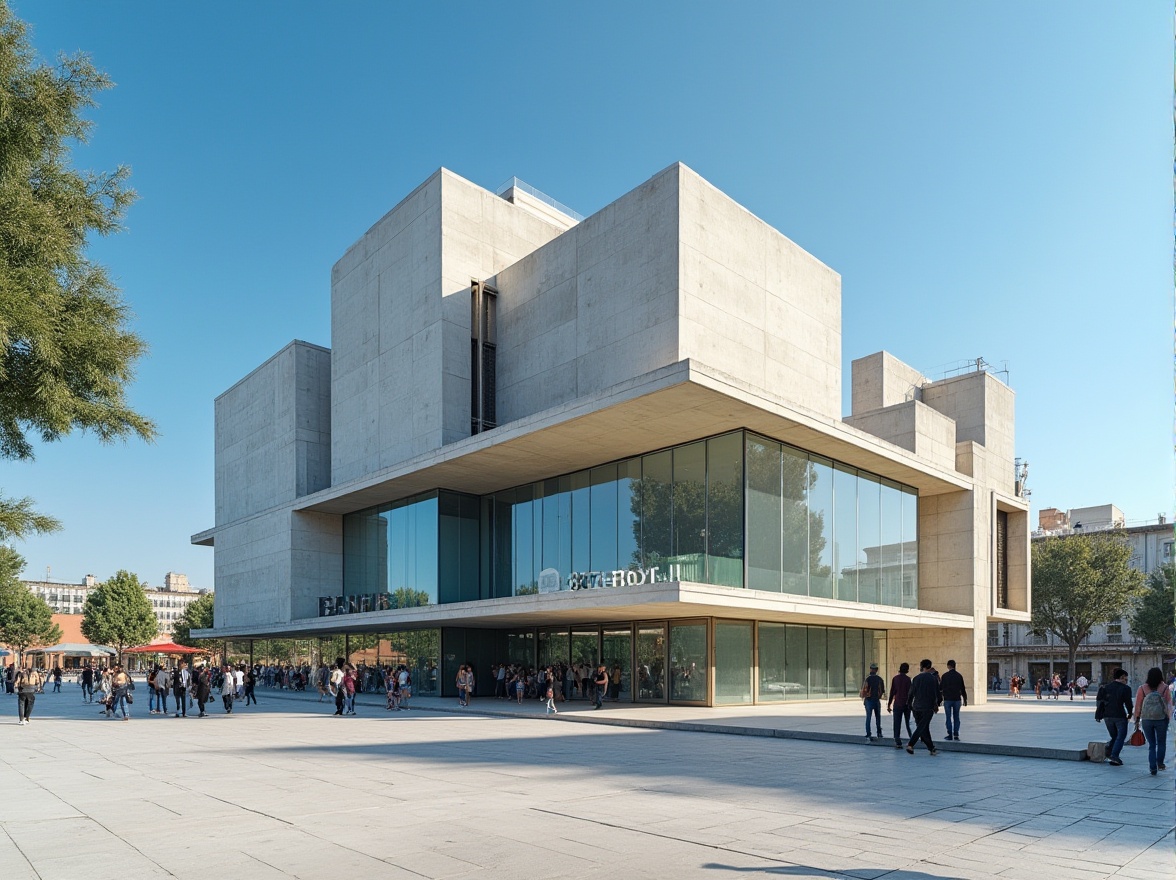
(656, 508)
(651, 662)
(890, 557)
(553, 647)
(564, 525)
(733, 662)
(503, 549)
(585, 656)
(845, 486)
(537, 533)
(424, 552)
(551, 533)
(581, 522)
(796, 473)
(773, 681)
(835, 647)
(524, 535)
(796, 663)
(818, 663)
(869, 539)
(398, 528)
(910, 550)
(629, 514)
(724, 510)
(690, 510)
(617, 650)
(763, 514)
(365, 553)
(854, 662)
(520, 647)
(688, 662)
(820, 502)
(604, 518)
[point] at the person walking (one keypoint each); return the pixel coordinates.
(925, 698)
(955, 694)
(1114, 706)
(1082, 683)
(163, 679)
(601, 682)
(88, 683)
(180, 681)
(57, 679)
(203, 688)
(228, 689)
(250, 684)
(899, 703)
(26, 682)
(349, 685)
(336, 685)
(121, 687)
(404, 682)
(551, 698)
(871, 693)
(1153, 709)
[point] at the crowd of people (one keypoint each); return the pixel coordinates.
(1046, 687)
(557, 683)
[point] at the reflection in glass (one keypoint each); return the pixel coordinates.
(773, 682)
(617, 649)
(581, 522)
(869, 539)
(603, 500)
(724, 510)
(818, 663)
(689, 518)
(651, 663)
(763, 514)
(656, 488)
(688, 662)
(835, 649)
(855, 662)
(520, 647)
(733, 642)
(523, 529)
(798, 544)
(796, 663)
(629, 514)
(586, 647)
(845, 486)
(553, 646)
(820, 502)
(890, 554)
(910, 549)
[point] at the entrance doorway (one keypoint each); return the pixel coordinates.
(617, 651)
(651, 663)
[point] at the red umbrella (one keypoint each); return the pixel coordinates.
(164, 648)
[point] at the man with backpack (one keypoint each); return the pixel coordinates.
(1153, 709)
(1112, 707)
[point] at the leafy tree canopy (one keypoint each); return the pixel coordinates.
(197, 615)
(1080, 581)
(119, 614)
(26, 620)
(1152, 618)
(66, 353)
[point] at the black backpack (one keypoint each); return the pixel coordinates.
(1100, 703)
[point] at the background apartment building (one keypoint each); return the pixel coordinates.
(168, 601)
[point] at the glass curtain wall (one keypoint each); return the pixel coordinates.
(733, 662)
(799, 662)
(688, 662)
(394, 549)
(651, 662)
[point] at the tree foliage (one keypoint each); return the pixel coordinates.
(1152, 618)
(66, 353)
(119, 614)
(26, 620)
(197, 615)
(1079, 582)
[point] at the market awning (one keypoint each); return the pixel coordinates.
(75, 649)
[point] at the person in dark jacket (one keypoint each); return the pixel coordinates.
(1115, 700)
(955, 694)
(925, 698)
(203, 688)
(899, 703)
(873, 688)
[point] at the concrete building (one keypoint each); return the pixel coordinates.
(1013, 648)
(615, 440)
(168, 602)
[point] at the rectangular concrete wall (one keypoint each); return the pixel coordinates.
(595, 307)
(983, 410)
(881, 380)
(273, 433)
(252, 571)
(967, 647)
(754, 304)
(913, 426)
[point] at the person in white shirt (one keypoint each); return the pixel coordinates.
(1083, 683)
(405, 682)
(239, 681)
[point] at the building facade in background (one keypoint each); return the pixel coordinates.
(168, 601)
(617, 439)
(1013, 647)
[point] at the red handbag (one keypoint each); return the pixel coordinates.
(1137, 738)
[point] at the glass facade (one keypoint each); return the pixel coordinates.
(733, 510)
(798, 662)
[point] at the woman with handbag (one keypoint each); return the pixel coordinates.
(1153, 709)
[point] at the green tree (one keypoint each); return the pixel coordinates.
(26, 620)
(1079, 582)
(119, 614)
(66, 353)
(1152, 618)
(197, 615)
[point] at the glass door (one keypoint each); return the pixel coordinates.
(618, 659)
(688, 662)
(651, 663)
(585, 657)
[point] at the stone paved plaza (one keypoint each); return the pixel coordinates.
(286, 790)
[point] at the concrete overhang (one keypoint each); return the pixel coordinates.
(205, 538)
(669, 406)
(663, 601)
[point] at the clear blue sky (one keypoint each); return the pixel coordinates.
(989, 179)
